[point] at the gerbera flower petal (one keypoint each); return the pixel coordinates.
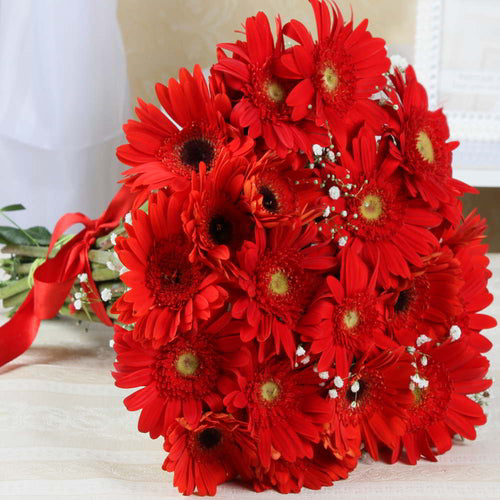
(179, 377)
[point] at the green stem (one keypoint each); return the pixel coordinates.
(26, 250)
(104, 242)
(103, 257)
(13, 288)
(64, 311)
(117, 287)
(104, 274)
(15, 300)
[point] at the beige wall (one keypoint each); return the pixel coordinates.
(161, 36)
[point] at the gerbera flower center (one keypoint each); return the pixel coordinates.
(278, 284)
(209, 438)
(361, 389)
(275, 91)
(269, 199)
(404, 301)
(330, 79)
(351, 319)
(170, 276)
(195, 150)
(424, 147)
(187, 364)
(220, 229)
(269, 391)
(431, 402)
(372, 207)
(283, 288)
(187, 368)
(419, 394)
(183, 151)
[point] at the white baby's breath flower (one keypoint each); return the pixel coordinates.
(333, 393)
(422, 339)
(342, 241)
(77, 304)
(83, 277)
(334, 193)
(317, 150)
(106, 295)
(455, 332)
(300, 351)
(305, 360)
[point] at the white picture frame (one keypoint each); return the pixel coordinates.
(456, 54)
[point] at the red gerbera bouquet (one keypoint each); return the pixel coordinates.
(294, 281)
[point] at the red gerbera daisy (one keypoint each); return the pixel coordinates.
(356, 318)
(467, 243)
(445, 375)
(427, 301)
(373, 401)
(279, 276)
(289, 477)
(215, 218)
(211, 453)
(422, 149)
(180, 378)
(276, 192)
(284, 407)
(338, 73)
(167, 291)
(164, 150)
(379, 220)
(261, 95)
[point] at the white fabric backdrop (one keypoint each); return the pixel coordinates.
(63, 99)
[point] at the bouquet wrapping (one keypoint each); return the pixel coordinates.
(286, 267)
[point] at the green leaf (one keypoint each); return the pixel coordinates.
(13, 236)
(13, 208)
(40, 234)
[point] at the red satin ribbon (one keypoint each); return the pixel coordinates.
(54, 278)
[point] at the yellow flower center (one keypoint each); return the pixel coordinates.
(419, 395)
(187, 364)
(424, 147)
(351, 319)
(330, 79)
(269, 391)
(278, 284)
(275, 91)
(372, 207)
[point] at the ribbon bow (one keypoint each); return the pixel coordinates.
(54, 278)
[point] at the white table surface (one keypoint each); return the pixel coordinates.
(64, 433)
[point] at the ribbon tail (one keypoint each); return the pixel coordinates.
(17, 335)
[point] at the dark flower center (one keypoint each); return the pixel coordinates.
(404, 300)
(221, 230)
(209, 438)
(269, 200)
(195, 150)
(170, 276)
(358, 395)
